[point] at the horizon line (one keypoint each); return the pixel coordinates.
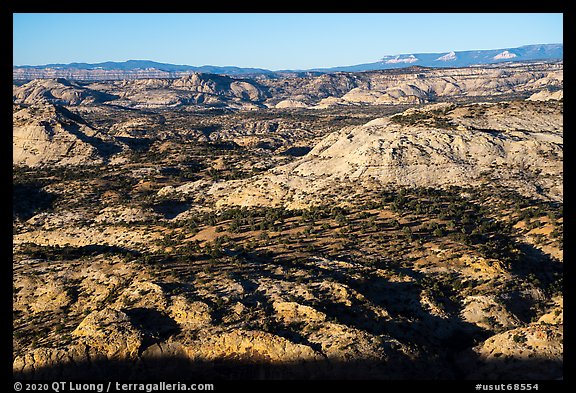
(277, 70)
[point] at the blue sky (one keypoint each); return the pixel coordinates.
(272, 41)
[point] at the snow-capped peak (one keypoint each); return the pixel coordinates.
(447, 57)
(505, 55)
(397, 59)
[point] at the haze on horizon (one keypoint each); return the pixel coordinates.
(272, 41)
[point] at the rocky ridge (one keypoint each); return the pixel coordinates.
(406, 86)
(52, 135)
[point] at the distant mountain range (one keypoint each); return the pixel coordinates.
(134, 65)
(136, 69)
(459, 58)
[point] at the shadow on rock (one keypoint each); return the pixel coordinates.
(182, 368)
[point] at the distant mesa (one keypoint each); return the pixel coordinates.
(397, 59)
(145, 69)
(526, 53)
(505, 55)
(447, 57)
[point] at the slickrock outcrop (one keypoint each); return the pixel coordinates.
(57, 91)
(517, 144)
(111, 332)
(47, 134)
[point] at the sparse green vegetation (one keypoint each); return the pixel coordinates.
(358, 270)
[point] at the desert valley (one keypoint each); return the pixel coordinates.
(392, 224)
